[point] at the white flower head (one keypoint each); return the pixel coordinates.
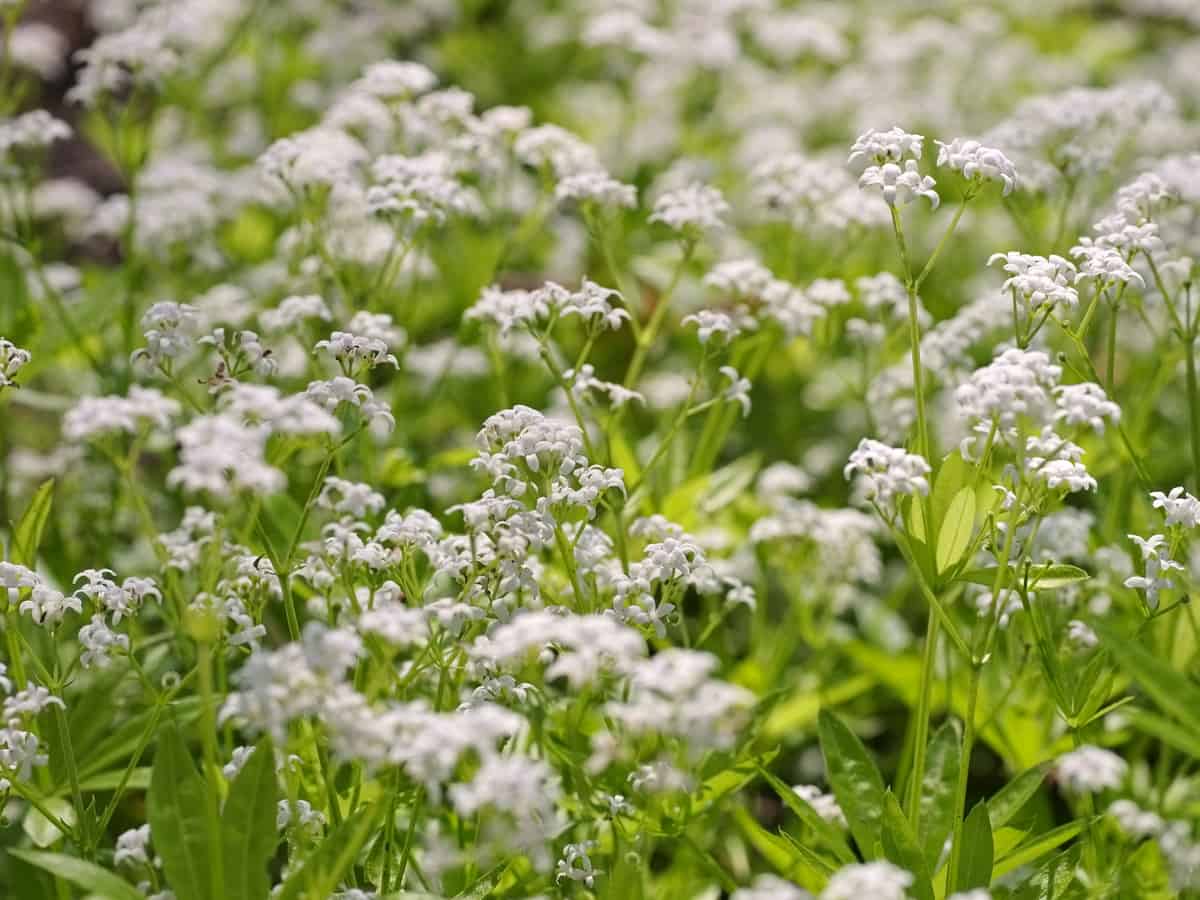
(886, 473)
(1090, 769)
(978, 163)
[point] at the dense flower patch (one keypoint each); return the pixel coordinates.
(587, 449)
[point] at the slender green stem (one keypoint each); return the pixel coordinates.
(646, 339)
(81, 812)
(212, 765)
(1090, 860)
(977, 663)
(1110, 361)
(950, 229)
(921, 735)
(1193, 392)
(964, 772)
(568, 557)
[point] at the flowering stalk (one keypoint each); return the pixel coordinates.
(977, 662)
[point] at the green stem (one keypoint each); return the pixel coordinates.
(81, 812)
(921, 736)
(1090, 860)
(211, 760)
(977, 662)
(646, 339)
(960, 791)
(1193, 392)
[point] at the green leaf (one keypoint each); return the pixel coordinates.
(98, 882)
(1173, 691)
(730, 780)
(1052, 878)
(325, 866)
(856, 781)
(827, 833)
(1144, 874)
(176, 808)
(248, 835)
(783, 855)
(915, 519)
(975, 865)
(953, 474)
(1165, 730)
(1010, 799)
(139, 780)
(1038, 847)
(938, 792)
(954, 533)
(27, 533)
(40, 829)
(1044, 577)
(900, 847)
(729, 482)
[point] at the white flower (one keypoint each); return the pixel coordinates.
(1016, 383)
(900, 186)
(825, 805)
(875, 880)
(293, 310)
(1135, 821)
(744, 278)
(220, 454)
(709, 322)
(881, 147)
(771, 887)
(691, 209)
(738, 390)
(47, 606)
(596, 186)
(143, 408)
(1157, 558)
(99, 641)
(133, 847)
(12, 359)
(886, 473)
(1104, 264)
(1081, 633)
(1041, 281)
(34, 130)
(319, 157)
(1180, 507)
(575, 864)
(1090, 769)
(353, 351)
(1085, 404)
(977, 162)
(396, 80)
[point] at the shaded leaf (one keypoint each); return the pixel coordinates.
(954, 534)
(1045, 577)
(1010, 799)
(856, 781)
(938, 791)
(975, 863)
(325, 866)
(1052, 878)
(248, 834)
(27, 533)
(96, 881)
(828, 834)
(176, 808)
(1173, 691)
(900, 847)
(1038, 847)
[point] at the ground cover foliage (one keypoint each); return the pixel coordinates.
(680, 449)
